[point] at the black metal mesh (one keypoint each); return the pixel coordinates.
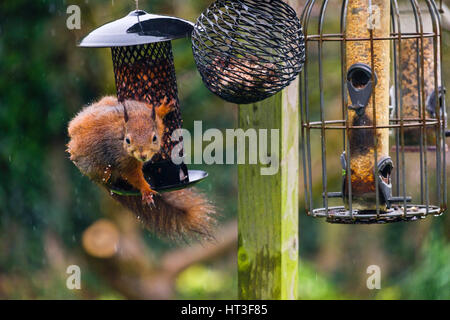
(248, 50)
(147, 73)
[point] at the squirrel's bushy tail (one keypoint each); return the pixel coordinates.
(182, 214)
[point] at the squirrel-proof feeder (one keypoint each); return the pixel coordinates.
(383, 57)
(144, 71)
(248, 50)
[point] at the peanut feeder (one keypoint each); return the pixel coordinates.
(144, 71)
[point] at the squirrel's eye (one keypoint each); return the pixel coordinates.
(155, 139)
(127, 140)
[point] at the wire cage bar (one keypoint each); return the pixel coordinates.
(380, 141)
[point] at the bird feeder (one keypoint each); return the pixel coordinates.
(412, 80)
(388, 75)
(248, 50)
(144, 71)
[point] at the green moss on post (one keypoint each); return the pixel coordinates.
(268, 205)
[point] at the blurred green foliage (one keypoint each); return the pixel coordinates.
(429, 279)
(45, 79)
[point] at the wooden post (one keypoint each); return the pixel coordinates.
(268, 204)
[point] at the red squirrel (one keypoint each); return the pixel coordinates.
(111, 141)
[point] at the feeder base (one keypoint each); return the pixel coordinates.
(340, 215)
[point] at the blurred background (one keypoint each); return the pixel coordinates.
(52, 217)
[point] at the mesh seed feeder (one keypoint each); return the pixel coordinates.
(144, 71)
(248, 50)
(388, 74)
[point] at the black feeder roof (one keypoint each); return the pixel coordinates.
(138, 27)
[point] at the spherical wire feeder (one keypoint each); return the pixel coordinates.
(248, 50)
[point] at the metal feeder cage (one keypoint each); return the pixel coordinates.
(144, 71)
(390, 119)
(248, 50)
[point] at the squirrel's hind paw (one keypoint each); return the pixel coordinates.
(147, 197)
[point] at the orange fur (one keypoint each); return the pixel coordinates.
(99, 147)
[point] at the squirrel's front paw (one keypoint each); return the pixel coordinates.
(147, 196)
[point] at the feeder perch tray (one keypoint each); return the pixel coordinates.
(195, 176)
(144, 71)
(340, 215)
(248, 50)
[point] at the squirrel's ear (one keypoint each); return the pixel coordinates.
(125, 113)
